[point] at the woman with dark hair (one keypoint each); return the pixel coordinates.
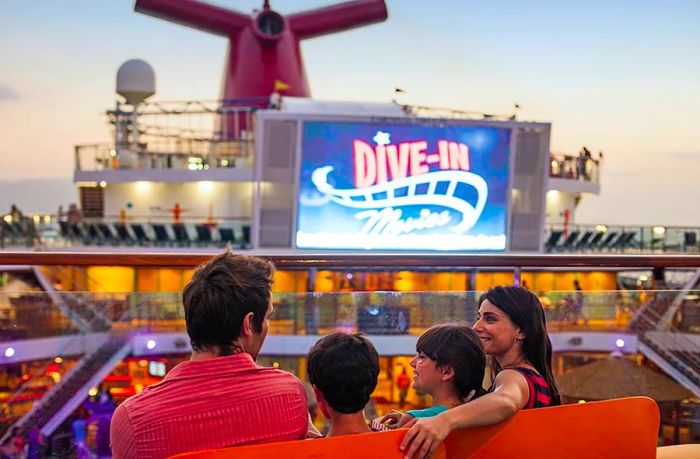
(512, 329)
(449, 365)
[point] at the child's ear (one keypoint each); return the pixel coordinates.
(447, 373)
(318, 394)
(321, 401)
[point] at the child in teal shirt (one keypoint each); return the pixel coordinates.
(449, 365)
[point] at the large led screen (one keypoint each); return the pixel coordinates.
(403, 187)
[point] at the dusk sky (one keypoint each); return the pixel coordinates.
(622, 77)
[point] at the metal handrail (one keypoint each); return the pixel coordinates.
(359, 260)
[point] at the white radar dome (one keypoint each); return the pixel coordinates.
(136, 81)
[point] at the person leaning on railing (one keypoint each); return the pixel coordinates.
(512, 328)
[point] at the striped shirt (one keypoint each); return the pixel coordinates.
(540, 394)
(208, 404)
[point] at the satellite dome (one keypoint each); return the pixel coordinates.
(136, 81)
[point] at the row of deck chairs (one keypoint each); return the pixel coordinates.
(12, 232)
(590, 240)
(153, 234)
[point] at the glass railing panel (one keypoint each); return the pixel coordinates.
(387, 313)
(603, 238)
(31, 315)
(390, 313)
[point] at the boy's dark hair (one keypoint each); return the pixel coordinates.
(457, 345)
(220, 295)
(344, 368)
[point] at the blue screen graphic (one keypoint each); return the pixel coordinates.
(375, 186)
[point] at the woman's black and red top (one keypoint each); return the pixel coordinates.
(540, 393)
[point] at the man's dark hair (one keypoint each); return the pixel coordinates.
(220, 295)
(344, 368)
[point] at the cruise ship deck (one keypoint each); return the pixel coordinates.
(67, 343)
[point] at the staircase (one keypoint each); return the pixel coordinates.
(649, 316)
(675, 353)
(82, 312)
(66, 396)
(678, 354)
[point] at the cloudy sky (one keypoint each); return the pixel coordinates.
(622, 77)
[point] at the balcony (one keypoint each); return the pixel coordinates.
(629, 239)
(172, 142)
(574, 174)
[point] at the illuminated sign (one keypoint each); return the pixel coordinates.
(395, 186)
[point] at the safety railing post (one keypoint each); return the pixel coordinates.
(516, 275)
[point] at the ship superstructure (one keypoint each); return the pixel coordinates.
(291, 174)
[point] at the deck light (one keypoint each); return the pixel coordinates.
(9, 352)
(620, 343)
(143, 186)
(205, 186)
(150, 344)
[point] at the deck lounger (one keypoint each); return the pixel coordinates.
(619, 242)
(570, 241)
(106, 232)
(245, 240)
(629, 242)
(140, 233)
(552, 240)
(77, 232)
(93, 235)
(595, 241)
(226, 236)
(583, 242)
(161, 234)
(181, 236)
(610, 238)
(690, 240)
(123, 235)
(203, 234)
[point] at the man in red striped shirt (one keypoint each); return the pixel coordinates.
(220, 397)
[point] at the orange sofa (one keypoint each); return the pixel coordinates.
(623, 429)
